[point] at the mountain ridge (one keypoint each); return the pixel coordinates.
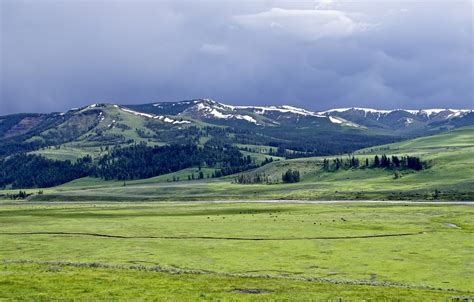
(212, 107)
(197, 121)
(343, 116)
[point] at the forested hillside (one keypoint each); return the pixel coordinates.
(127, 163)
(294, 131)
(140, 141)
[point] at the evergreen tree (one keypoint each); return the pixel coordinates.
(396, 161)
(291, 176)
(376, 161)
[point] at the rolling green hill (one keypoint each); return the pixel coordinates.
(456, 139)
(449, 175)
(95, 134)
(449, 157)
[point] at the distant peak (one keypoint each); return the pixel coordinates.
(371, 110)
(412, 111)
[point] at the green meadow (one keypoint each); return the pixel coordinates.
(238, 251)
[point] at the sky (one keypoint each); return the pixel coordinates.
(60, 54)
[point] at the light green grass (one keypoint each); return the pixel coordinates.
(66, 152)
(452, 140)
(181, 175)
(436, 255)
(57, 282)
(258, 158)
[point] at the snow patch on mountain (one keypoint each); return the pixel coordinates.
(111, 125)
(283, 109)
(170, 120)
(137, 113)
(366, 110)
(427, 113)
(213, 109)
(459, 113)
(217, 114)
(335, 120)
(211, 105)
(101, 116)
(159, 117)
(430, 112)
(181, 122)
(452, 112)
(247, 118)
(343, 122)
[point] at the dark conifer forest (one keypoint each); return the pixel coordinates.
(29, 171)
(142, 161)
(385, 162)
(127, 163)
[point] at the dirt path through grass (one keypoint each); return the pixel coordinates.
(212, 237)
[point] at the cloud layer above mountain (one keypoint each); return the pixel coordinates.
(387, 54)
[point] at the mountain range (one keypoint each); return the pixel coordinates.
(88, 129)
(206, 109)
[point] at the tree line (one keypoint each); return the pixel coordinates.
(122, 163)
(290, 176)
(28, 171)
(394, 162)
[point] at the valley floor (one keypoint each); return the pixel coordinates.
(237, 251)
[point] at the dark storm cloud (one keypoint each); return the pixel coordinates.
(62, 54)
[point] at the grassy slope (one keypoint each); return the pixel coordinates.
(458, 138)
(181, 175)
(67, 152)
(437, 255)
(112, 133)
(90, 143)
(451, 173)
(450, 154)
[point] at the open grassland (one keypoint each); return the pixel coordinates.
(217, 251)
(53, 281)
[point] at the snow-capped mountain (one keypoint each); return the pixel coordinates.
(404, 118)
(355, 117)
(421, 112)
(210, 110)
(327, 132)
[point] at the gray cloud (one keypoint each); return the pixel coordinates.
(61, 54)
(305, 24)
